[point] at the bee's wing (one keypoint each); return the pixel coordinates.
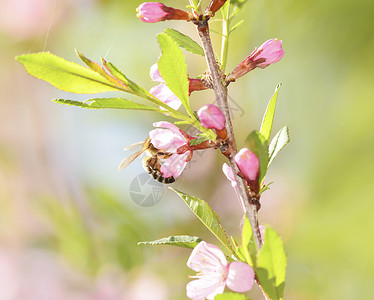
(128, 160)
(134, 145)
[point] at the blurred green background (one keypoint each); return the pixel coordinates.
(68, 226)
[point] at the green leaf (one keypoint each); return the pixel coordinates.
(173, 69)
(271, 265)
(65, 75)
(281, 139)
(231, 296)
(236, 25)
(117, 73)
(208, 217)
(185, 41)
(184, 241)
(249, 247)
(97, 68)
(267, 121)
(257, 143)
(99, 103)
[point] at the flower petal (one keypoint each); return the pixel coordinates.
(241, 277)
(204, 288)
(174, 165)
(155, 73)
(165, 139)
(272, 51)
(168, 125)
(229, 174)
(163, 93)
(151, 12)
(211, 117)
(206, 256)
(248, 164)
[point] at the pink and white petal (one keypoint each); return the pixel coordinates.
(166, 139)
(204, 288)
(155, 74)
(174, 165)
(207, 257)
(229, 174)
(241, 277)
(163, 93)
(168, 125)
(173, 101)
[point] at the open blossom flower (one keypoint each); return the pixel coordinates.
(214, 273)
(152, 12)
(162, 91)
(248, 164)
(268, 53)
(169, 138)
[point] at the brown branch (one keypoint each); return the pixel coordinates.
(250, 204)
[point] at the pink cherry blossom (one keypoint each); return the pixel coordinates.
(162, 91)
(211, 117)
(169, 138)
(214, 273)
(248, 164)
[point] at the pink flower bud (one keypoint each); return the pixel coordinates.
(268, 53)
(211, 117)
(152, 12)
(248, 164)
(271, 51)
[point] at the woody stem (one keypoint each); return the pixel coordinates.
(220, 91)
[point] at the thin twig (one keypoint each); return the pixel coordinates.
(221, 96)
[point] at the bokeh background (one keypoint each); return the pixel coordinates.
(68, 226)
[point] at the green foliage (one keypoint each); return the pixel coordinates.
(280, 140)
(117, 103)
(248, 247)
(184, 241)
(267, 121)
(173, 69)
(118, 74)
(271, 265)
(66, 75)
(231, 296)
(257, 143)
(208, 217)
(185, 41)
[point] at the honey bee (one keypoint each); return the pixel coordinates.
(151, 163)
